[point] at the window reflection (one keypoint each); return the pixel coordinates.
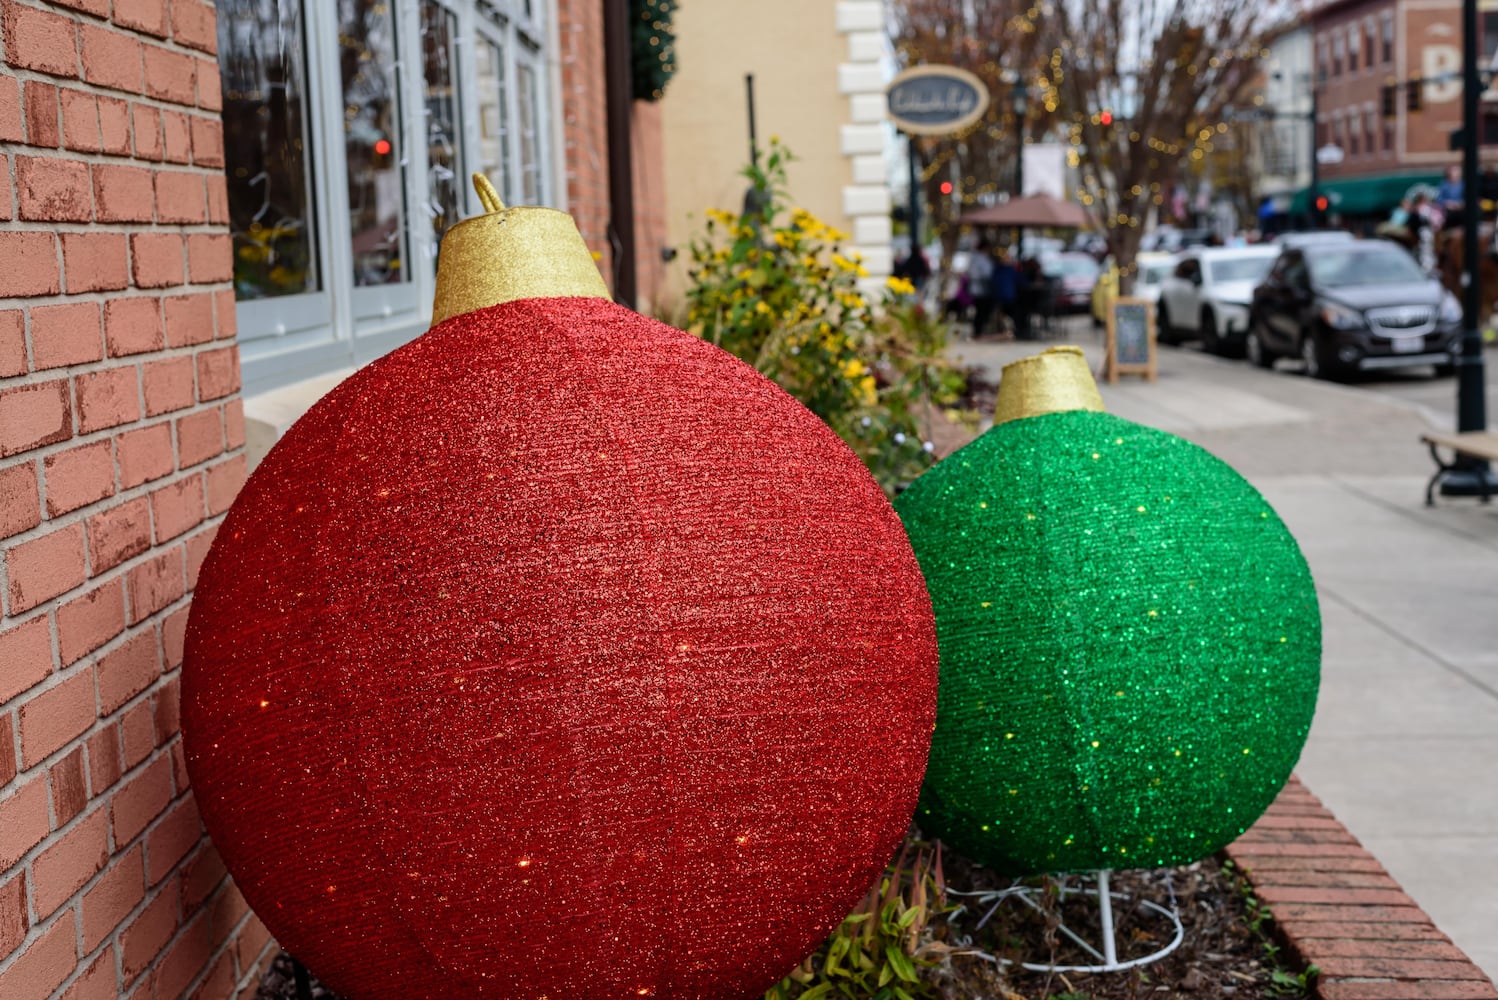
(440, 72)
(494, 117)
(529, 95)
(268, 152)
(372, 136)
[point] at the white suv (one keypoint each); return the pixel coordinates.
(1207, 296)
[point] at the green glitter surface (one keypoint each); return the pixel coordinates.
(1130, 646)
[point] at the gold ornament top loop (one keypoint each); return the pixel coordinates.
(488, 197)
(508, 254)
(1055, 380)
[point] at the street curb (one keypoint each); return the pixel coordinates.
(1334, 905)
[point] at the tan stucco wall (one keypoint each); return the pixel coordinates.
(793, 48)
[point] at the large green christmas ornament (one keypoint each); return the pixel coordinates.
(1129, 637)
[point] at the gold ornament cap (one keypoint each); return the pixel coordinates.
(508, 254)
(1053, 381)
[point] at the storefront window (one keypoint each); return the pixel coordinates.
(372, 141)
(335, 241)
(494, 116)
(267, 147)
(530, 133)
(440, 72)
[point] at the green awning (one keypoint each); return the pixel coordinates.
(1372, 195)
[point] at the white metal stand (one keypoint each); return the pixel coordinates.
(1107, 958)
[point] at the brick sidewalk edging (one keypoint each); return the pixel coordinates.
(1334, 905)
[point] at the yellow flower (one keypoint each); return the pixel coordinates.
(718, 215)
(762, 307)
(901, 286)
(868, 393)
(852, 369)
(785, 239)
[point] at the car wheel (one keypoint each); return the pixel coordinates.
(1310, 353)
(1211, 341)
(1166, 333)
(1258, 354)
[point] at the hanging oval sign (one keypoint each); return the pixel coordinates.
(936, 100)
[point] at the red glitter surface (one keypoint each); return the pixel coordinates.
(557, 654)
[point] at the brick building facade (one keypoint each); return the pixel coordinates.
(122, 444)
(1390, 95)
(121, 438)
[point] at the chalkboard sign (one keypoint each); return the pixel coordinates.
(1131, 339)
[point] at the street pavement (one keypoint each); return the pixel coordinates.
(1405, 742)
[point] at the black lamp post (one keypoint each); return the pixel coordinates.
(1473, 476)
(1317, 219)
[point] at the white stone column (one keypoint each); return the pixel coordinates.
(866, 201)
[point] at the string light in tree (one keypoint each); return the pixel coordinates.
(652, 47)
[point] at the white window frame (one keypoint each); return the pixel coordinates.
(522, 39)
(294, 337)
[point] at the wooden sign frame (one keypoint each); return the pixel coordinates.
(1113, 367)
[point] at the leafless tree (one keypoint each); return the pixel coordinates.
(1167, 73)
(1139, 88)
(1005, 44)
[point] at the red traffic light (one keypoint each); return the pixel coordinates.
(1321, 203)
(382, 147)
(946, 187)
(1106, 118)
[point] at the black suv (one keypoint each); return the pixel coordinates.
(1350, 306)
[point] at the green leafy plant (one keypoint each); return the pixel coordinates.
(774, 287)
(881, 948)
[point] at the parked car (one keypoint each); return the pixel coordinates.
(1305, 237)
(1072, 277)
(1150, 269)
(1353, 306)
(1207, 296)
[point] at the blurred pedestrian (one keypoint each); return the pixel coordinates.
(980, 284)
(1450, 196)
(1006, 289)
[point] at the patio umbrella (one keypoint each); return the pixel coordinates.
(1032, 210)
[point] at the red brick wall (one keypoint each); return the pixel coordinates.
(585, 114)
(121, 445)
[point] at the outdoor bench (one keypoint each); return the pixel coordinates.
(1473, 444)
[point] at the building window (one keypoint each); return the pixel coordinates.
(1370, 41)
(1370, 116)
(1388, 37)
(1354, 46)
(268, 147)
(1336, 55)
(510, 134)
(350, 128)
(1354, 134)
(1388, 136)
(373, 143)
(440, 76)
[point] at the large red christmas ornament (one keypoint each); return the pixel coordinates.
(556, 654)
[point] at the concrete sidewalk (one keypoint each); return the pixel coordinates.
(1405, 745)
